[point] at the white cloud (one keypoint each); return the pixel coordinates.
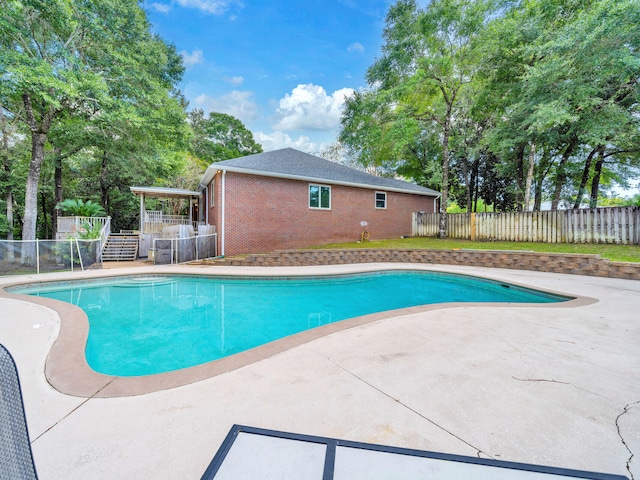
(234, 80)
(191, 59)
(237, 104)
(160, 7)
(214, 7)
(308, 107)
(278, 140)
(355, 47)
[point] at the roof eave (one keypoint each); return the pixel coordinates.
(209, 175)
(163, 192)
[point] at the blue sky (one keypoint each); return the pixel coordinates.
(282, 68)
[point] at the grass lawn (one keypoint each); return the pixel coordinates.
(615, 253)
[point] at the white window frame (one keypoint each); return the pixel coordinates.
(375, 198)
(320, 187)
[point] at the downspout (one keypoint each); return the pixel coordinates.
(206, 202)
(222, 213)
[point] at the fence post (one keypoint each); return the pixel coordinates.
(79, 255)
(635, 220)
(37, 256)
(472, 220)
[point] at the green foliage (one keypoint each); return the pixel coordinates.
(90, 79)
(634, 201)
(495, 79)
(4, 225)
(488, 87)
(14, 152)
(417, 88)
(90, 232)
(455, 208)
(566, 76)
(614, 201)
(480, 207)
(220, 137)
(80, 208)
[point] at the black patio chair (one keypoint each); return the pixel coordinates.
(16, 457)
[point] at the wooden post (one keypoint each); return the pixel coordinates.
(473, 226)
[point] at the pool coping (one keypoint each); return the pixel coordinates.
(67, 370)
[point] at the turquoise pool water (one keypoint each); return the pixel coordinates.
(146, 325)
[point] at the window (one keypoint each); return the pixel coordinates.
(319, 196)
(381, 200)
(212, 196)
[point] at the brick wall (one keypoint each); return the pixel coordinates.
(264, 214)
(212, 214)
(543, 262)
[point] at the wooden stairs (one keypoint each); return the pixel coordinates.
(120, 247)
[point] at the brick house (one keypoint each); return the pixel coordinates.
(289, 199)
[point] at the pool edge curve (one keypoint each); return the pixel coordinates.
(67, 370)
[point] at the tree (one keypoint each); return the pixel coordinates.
(80, 208)
(532, 98)
(220, 137)
(70, 59)
(428, 59)
(40, 71)
(11, 149)
(563, 76)
(373, 137)
(135, 144)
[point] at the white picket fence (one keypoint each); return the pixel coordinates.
(586, 225)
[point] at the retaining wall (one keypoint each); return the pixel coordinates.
(576, 264)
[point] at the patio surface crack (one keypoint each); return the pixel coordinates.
(631, 455)
(73, 410)
(478, 450)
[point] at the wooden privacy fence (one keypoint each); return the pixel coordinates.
(592, 225)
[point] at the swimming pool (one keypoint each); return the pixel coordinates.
(143, 325)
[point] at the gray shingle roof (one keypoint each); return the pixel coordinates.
(291, 163)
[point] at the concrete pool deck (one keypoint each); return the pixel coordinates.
(543, 385)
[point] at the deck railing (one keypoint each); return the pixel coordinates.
(104, 235)
(73, 227)
(154, 221)
(70, 227)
